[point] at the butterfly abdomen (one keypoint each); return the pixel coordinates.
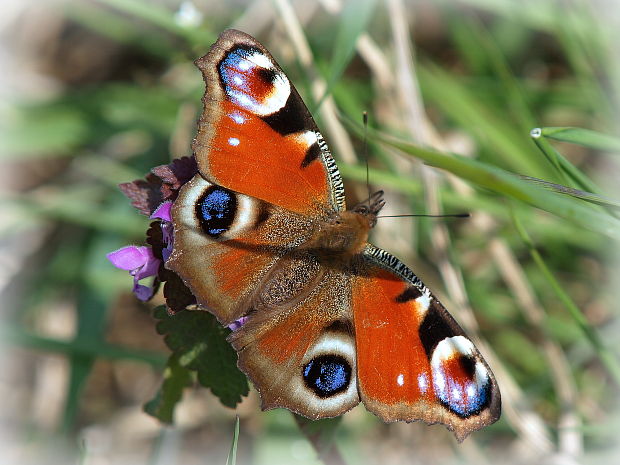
(289, 282)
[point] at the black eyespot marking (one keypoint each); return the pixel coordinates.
(411, 293)
(292, 117)
(468, 365)
(340, 326)
(263, 215)
(216, 210)
(267, 75)
(327, 375)
(466, 399)
(475, 406)
(433, 330)
(312, 154)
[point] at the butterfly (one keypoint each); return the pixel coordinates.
(262, 236)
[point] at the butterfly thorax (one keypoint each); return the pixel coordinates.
(346, 233)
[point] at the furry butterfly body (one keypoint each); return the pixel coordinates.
(262, 235)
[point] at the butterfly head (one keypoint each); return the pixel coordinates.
(346, 233)
(371, 207)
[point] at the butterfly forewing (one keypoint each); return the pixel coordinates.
(256, 135)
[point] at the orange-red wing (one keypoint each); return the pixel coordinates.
(299, 350)
(414, 362)
(257, 137)
(225, 243)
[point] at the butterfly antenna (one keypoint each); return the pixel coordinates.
(365, 120)
(450, 215)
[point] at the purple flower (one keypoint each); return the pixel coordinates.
(235, 325)
(163, 213)
(141, 263)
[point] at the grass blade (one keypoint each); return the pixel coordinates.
(507, 184)
(585, 137)
(484, 120)
(232, 455)
(43, 132)
(587, 196)
(607, 357)
(566, 169)
(15, 335)
(163, 18)
(355, 17)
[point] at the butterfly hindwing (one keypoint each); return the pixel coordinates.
(299, 351)
(429, 369)
(256, 135)
(225, 243)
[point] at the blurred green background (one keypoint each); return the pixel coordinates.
(95, 93)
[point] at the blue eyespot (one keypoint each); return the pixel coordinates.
(216, 210)
(327, 375)
(235, 70)
(465, 397)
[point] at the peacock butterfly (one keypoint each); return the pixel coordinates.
(261, 236)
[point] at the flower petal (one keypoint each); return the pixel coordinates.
(128, 258)
(235, 325)
(163, 212)
(143, 293)
(166, 252)
(167, 233)
(150, 268)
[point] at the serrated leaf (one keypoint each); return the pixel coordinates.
(199, 342)
(176, 378)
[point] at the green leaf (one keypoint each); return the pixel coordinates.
(176, 378)
(199, 342)
(232, 455)
(585, 137)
